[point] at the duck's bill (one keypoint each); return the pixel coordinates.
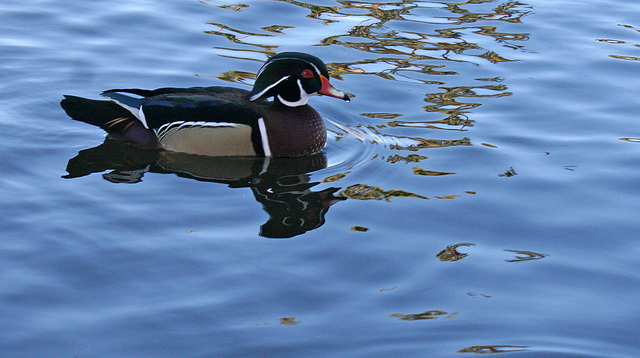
(328, 90)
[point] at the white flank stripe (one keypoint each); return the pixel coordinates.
(265, 139)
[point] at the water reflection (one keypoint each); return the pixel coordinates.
(416, 42)
(620, 42)
(493, 349)
(368, 192)
(427, 315)
(451, 253)
(526, 255)
(289, 321)
(401, 53)
(509, 173)
(282, 185)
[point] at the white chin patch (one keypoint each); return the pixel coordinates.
(304, 98)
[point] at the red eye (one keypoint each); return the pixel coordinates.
(307, 73)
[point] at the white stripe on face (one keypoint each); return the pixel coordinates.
(258, 95)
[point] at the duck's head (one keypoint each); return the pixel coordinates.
(292, 77)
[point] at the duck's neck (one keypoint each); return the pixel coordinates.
(294, 131)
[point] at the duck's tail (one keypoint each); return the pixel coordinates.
(111, 117)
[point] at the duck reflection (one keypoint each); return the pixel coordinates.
(282, 185)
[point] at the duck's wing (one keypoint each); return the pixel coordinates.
(155, 108)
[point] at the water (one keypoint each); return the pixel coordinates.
(477, 195)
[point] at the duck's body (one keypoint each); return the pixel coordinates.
(221, 121)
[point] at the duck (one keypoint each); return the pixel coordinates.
(272, 120)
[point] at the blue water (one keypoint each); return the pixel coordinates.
(479, 194)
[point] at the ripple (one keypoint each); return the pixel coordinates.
(369, 134)
(353, 146)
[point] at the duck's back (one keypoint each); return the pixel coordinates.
(163, 106)
(213, 121)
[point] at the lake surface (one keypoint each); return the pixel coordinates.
(478, 195)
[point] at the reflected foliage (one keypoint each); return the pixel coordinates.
(420, 171)
(412, 41)
(509, 173)
(282, 185)
(233, 7)
(239, 36)
(415, 42)
(492, 349)
(623, 43)
(289, 321)
(424, 45)
(368, 192)
(411, 158)
(451, 253)
(526, 256)
(427, 315)
(476, 295)
(631, 140)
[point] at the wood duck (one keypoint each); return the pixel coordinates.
(221, 121)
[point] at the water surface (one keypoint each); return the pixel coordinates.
(478, 195)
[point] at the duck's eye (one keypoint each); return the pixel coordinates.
(307, 73)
